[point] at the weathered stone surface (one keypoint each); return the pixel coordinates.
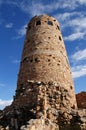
(40, 124)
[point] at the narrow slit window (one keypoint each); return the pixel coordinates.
(29, 27)
(38, 23)
(71, 87)
(60, 38)
(58, 27)
(50, 23)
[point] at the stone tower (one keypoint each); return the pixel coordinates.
(45, 81)
(44, 98)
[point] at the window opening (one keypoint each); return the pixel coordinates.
(58, 64)
(24, 59)
(43, 32)
(38, 23)
(58, 27)
(29, 27)
(60, 38)
(31, 60)
(27, 59)
(36, 60)
(50, 23)
(50, 55)
(48, 60)
(71, 87)
(57, 88)
(53, 57)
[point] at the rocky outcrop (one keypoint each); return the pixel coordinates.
(67, 120)
(19, 119)
(40, 124)
(81, 100)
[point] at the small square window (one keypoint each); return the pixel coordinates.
(38, 23)
(50, 23)
(31, 60)
(37, 60)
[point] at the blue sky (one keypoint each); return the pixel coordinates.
(14, 16)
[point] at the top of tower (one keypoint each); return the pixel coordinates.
(42, 20)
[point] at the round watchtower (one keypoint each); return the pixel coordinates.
(44, 57)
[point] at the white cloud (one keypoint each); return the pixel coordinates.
(82, 1)
(66, 4)
(64, 16)
(21, 32)
(79, 71)
(27, 5)
(37, 8)
(69, 17)
(79, 55)
(16, 61)
(9, 2)
(2, 85)
(76, 23)
(75, 36)
(78, 68)
(4, 103)
(9, 25)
